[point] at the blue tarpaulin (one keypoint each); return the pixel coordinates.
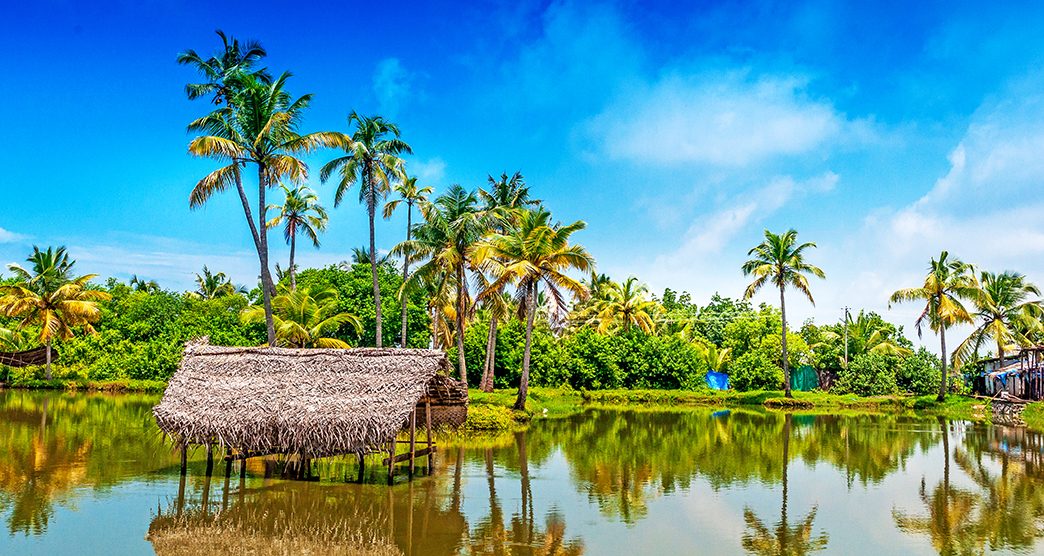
(717, 381)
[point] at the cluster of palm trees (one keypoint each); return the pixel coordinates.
(49, 300)
(500, 238)
(1004, 309)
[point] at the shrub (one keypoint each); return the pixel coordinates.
(869, 374)
(754, 371)
(919, 373)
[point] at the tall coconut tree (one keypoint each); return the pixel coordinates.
(453, 223)
(306, 318)
(299, 213)
(1006, 314)
(947, 285)
(502, 198)
(411, 194)
(47, 270)
(532, 253)
(58, 312)
(780, 260)
(258, 126)
(374, 161)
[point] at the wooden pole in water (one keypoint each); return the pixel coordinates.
(210, 460)
(184, 458)
(427, 428)
(242, 467)
(362, 466)
(391, 459)
(228, 463)
(413, 438)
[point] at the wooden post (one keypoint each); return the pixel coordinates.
(427, 428)
(362, 466)
(184, 458)
(391, 459)
(242, 467)
(413, 438)
(210, 459)
(228, 463)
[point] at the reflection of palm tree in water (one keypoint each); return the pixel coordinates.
(1005, 511)
(783, 539)
(523, 536)
(949, 521)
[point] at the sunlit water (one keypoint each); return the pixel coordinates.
(90, 474)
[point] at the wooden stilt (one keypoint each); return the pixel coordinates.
(427, 428)
(184, 458)
(206, 494)
(242, 468)
(413, 439)
(391, 459)
(362, 466)
(180, 505)
(210, 459)
(228, 463)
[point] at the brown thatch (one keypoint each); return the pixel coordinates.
(315, 402)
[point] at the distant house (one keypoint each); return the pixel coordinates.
(1020, 375)
(308, 403)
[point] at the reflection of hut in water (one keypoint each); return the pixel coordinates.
(309, 403)
(312, 518)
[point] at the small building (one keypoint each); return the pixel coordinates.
(1020, 375)
(309, 403)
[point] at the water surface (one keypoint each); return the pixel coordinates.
(91, 474)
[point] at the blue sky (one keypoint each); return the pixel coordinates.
(884, 131)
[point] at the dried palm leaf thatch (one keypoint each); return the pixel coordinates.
(313, 402)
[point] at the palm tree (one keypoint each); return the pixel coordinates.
(947, 283)
(1006, 314)
(780, 260)
(502, 201)
(373, 159)
(531, 253)
(58, 312)
(361, 256)
(142, 285)
(300, 212)
(258, 125)
(411, 194)
(626, 305)
(306, 318)
(224, 72)
(452, 225)
(47, 269)
(210, 285)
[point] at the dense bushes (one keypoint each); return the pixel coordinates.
(919, 373)
(868, 374)
(755, 371)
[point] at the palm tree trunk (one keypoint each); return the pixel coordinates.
(293, 246)
(262, 254)
(247, 212)
(461, 292)
(786, 364)
(48, 371)
(371, 207)
(942, 347)
(786, 464)
(491, 357)
(523, 385)
(406, 271)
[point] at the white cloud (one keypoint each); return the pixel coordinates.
(428, 172)
(392, 85)
(720, 119)
(7, 236)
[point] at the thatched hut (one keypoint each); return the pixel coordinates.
(307, 402)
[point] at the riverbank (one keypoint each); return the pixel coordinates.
(124, 385)
(492, 411)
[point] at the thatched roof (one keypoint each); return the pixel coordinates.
(307, 401)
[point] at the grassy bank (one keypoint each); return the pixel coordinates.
(123, 385)
(493, 411)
